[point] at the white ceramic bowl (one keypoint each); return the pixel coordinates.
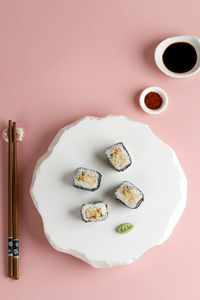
(158, 53)
(158, 90)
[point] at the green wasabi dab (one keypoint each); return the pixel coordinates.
(124, 228)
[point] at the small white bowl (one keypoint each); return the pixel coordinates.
(161, 92)
(158, 53)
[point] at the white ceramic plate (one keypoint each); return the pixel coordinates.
(155, 170)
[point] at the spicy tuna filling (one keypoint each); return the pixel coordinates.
(117, 157)
(128, 194)
(93, 213)
(87, 178)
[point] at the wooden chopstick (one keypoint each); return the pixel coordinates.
(15, 208)
(10, 206)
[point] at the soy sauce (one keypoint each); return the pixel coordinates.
(180, 57)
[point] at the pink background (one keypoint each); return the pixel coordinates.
(61, 60)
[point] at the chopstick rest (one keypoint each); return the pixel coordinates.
(19, 133)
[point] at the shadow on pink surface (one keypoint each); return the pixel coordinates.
(148, 54)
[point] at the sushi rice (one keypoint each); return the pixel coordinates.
(129, 195)
(118, 156)
(87, 179)
(94, 211)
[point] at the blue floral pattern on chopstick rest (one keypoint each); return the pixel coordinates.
(10, 246)
(15, 248)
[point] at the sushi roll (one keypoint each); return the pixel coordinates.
(87, 179)
(118, 156)
(94, 211)
(129, 194)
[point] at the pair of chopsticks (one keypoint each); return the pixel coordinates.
(13, 242)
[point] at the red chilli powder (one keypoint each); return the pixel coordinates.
(153, 100)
